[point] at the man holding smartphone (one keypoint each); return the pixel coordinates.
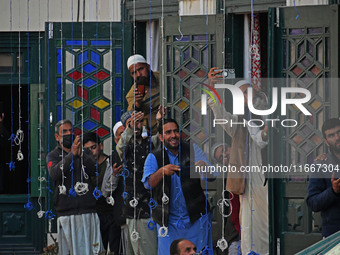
(324, 185)
(144, 94)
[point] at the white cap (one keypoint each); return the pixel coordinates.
(134, 59)
(241, 83)
(116, 126)
(144, 132)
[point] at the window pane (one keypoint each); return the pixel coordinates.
(6, 62)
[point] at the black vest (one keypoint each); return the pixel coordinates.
(192, 190)
(135, 158)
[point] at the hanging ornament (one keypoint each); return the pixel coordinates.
(20, 156)
(40, 214)
(134, 236)
(62, 190)
(110, 200)
(97, 193)
(222, 244)
(151, 224)
(163, 231)
(81, 188)
(84, 173)
(152, 204)
(165, 199)
(49, 214)
(29, 206)
(133, 202)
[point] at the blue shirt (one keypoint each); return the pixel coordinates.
(178, 207)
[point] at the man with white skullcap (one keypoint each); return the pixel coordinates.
(251, 187)
(118, 129)
(144, 93)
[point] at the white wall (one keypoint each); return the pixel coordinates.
(33, 16)
(306, 2)
(197, 7)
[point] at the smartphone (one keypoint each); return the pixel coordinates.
(141, 89)
(141, 83)
(226, 73)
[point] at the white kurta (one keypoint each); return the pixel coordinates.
(79, 234)
(254, 203)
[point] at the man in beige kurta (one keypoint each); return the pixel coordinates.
(148, 102)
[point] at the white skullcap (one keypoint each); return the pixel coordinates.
(134, 59)
(241, 83)
(144, 133)
(116, 126)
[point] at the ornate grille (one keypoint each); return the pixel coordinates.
(306, 64)
(187, 63)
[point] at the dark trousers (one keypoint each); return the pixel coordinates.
(110, 231)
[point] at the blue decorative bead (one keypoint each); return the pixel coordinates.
(11, 165)
(152, 204)
(49, 214)
(72, 192)
(207, 251)
(125, 195)
(151, 224)
(29, 206)
(12, 137)
(97, 193)
(125, 173)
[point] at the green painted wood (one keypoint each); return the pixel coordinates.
(234, 43)
(21, 230)
(141, 9)
(290, 218)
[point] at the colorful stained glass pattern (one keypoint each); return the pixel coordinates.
(95, 114)
(59, 84)
(75, 75)
(76, 43)
(89, 68)
(118, 62)
(101, 75)
(102, 132)
(101, 104)
(89, 125)
(89, 82)
(77, 131)
(76, 104)
(100, 43)
(86, 86)
(95, 58)
(59, 61)
(82, 93)
(82, 57)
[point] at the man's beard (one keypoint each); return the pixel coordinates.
(335, 148)
(138, 132)
(169, 146)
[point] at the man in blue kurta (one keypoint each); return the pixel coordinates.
(166, 171)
